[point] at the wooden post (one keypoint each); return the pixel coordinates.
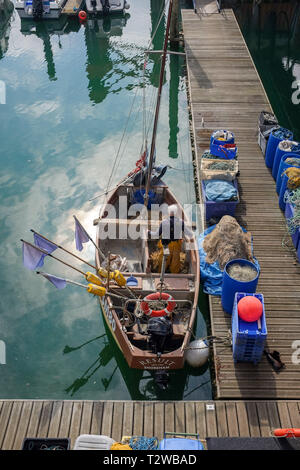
(174, 26)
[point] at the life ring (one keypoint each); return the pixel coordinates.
(287, 432)
(82, 15)
(158, 296)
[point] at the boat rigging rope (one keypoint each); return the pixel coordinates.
(118, 156)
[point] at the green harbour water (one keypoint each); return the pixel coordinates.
(69, 91)
(272, 33)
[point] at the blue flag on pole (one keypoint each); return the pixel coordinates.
(44, 244)
(58, 282)
(32, 257)
(80, 235)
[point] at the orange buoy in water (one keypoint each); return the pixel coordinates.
(82, 15)
(250, 308)
(287, 432)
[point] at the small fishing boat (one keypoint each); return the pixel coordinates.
(39, 9)
(151, 336)
(106, 7)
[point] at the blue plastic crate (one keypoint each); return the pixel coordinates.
(223, 150)
(219, 208)
(248, 338)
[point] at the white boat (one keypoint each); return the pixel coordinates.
(39, 9)
(106, 6)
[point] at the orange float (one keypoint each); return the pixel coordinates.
(82, 15)
(250, 308)
(287, 432)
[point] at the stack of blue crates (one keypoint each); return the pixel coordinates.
(248, 338)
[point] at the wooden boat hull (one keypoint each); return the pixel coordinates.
(139, 358)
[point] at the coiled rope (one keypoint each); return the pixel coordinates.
(143, 443)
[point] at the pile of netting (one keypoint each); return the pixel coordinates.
(227, 242)
(293, 197)
(241, 272)
(207, 154)
(293, 175)
(221, 165)
(218, 245)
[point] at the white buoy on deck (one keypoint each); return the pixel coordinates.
(197, 353)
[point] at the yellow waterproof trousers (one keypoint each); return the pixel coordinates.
(173, 260)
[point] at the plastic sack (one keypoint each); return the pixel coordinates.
(211, 276)
(220, 190)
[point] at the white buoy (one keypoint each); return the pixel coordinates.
(197, 353)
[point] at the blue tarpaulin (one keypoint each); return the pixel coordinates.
(211, 275)
(219, 190)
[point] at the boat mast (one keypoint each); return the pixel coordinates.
(161, 77)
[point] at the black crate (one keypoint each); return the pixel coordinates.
(31, 443)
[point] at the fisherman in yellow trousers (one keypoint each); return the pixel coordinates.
(170, 233)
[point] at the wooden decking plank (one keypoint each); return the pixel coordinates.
(179, 417)
(86, 419)
(97, 415)
(149, 419)
(211, 423)
(75, 422)
(159, 420)
(4, 419)
(263, 419)
(65, 422)
(12, 426)
(242, 418)
(221, 419)
(284, 415)
(117, 424)
(138, 423)
(200, 419)
(232, 421)
(107, 416)
(294, 414)
(127, 429)
(23, 425)
(169, 416)
(56, 414)
(34, 419)
(190, 417)
(44, 422)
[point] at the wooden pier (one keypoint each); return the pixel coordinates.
(226, 93)
(69, 419)
(71, 7)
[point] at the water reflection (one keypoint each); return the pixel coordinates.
(44, 30)
(6, 10)
(272, 33)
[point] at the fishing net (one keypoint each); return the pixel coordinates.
(241, 272)
(226, 165)
(227, 242)
(293, 197)
(293, 161)
(293, 175)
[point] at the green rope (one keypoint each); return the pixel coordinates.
(293, 197)
(229, 166)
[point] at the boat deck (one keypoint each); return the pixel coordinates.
(71, 7)
(226, 93)
(69, 419)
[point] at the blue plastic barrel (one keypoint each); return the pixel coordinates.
(279, 153)
(276, 136)
(283, 189)
(283, 166)
(230, 286)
